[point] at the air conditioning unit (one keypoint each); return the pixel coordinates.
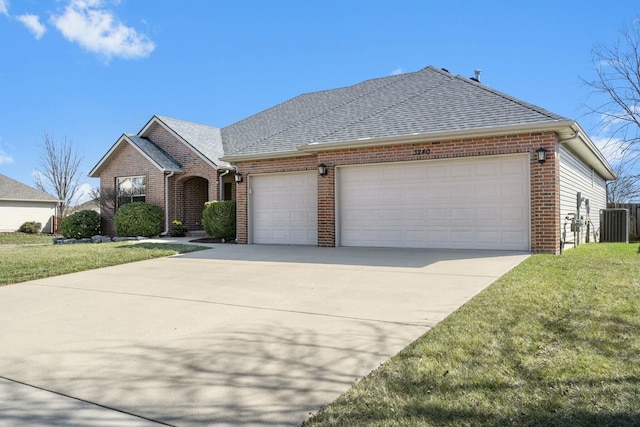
(614, 225)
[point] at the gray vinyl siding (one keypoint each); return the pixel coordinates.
(576, 177)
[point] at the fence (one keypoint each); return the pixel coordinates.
(634, 218)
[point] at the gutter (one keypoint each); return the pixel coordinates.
(220, 183)
(438, 136)
(569, 132)
(579, 143)
(314, 147)
(166, 203)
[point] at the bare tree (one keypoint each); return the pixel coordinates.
(107, 200)
(58, 171)
(626, 189)
(616, 95)
(617, 77)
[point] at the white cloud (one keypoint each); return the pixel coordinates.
(32, 22)
(84, 193)
(611, 148)
(5, 158)
(397, 71)
(99, 31)
(4, 7)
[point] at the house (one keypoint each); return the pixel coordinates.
(425, 159)
(20, 203)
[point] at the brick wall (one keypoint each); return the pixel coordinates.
(127, 161)
(192, 164)
(287, 164)
(197, 183)
(544, 181)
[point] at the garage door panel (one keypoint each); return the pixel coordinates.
(284, 208)
(462, 203)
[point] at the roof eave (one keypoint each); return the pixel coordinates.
(29, 200)
(552, 126)
(579, 143)
(156, 119)
(95, 172)
(264, 156)
(569, 132)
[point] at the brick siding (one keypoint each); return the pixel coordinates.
(188, 190)
(544, 178)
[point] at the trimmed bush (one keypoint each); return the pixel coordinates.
(138, 219)
(81, 224)
(219, 219)
(30, 227)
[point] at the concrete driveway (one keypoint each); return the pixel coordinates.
(233, 335)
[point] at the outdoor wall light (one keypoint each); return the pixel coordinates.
(542, 154)
(238, 177)
(322, 169)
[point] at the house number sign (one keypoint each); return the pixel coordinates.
(422, 151)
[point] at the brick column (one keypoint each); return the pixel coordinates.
(545, 200)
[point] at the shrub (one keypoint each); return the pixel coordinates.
(179, 229)
(30, 227)
(138, 219)
(219, 219)
(81, 224)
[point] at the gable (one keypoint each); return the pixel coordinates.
(204, 141)
(12, 190)
(145, 147)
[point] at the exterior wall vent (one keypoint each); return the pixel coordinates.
(614, 225)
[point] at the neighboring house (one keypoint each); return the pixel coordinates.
(20, 203)
(89, 205)
(424, 159)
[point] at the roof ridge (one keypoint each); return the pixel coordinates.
(340, 105)
(388, 107)
(163, 118)
(503, 95)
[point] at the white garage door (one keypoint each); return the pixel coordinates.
(480, 203)
(284, 208)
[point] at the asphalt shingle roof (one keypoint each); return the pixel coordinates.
(162, 159)
(10, 189)
(426, 101)
(205, 139)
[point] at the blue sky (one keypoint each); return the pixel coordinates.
(90, 70)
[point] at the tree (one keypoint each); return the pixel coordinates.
(107, 200)
(617, 88)
(58, 170)
(617, 77)
(625, 189)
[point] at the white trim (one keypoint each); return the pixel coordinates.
(124, 138)
(266, 156)
(569, 132)
(438, 136)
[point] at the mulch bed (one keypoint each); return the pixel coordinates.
(211, 240)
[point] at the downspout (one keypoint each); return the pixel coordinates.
(166, 203)
(220, 183)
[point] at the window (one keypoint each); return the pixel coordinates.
(131, 189)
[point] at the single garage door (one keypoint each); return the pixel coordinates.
(284, 208)
(480, 203)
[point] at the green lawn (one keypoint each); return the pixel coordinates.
(25, 239)
(555, 342)
(25, 262)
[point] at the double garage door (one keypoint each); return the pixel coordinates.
(480, 203)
